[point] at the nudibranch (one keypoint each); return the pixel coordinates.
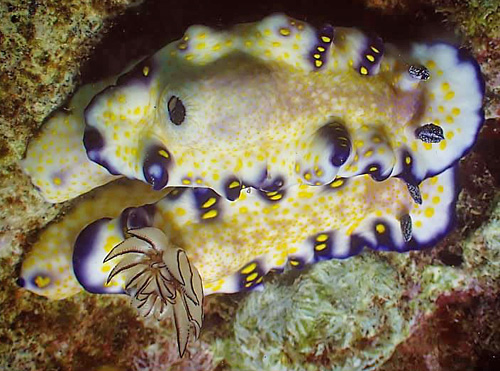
(272, 144)
(268, 105)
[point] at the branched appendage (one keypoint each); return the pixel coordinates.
(159, 278)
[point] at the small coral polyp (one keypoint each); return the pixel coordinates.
(270, 144)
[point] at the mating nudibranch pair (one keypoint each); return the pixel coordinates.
(272, 143)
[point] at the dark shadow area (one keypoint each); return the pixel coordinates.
(142, 30)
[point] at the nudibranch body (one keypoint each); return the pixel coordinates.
(234, 244)
(277, 103)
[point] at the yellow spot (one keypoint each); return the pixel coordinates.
(57, 181)
(248, 43)
(318, 63)
(182, 46)
(276, 44)
(440, 189)
(243, 210)
(234, 184)
(369, 153)
(210, 202)
(121, 97)
(307, 176)
(427, 146)
(418, 224)
(180, 211)
(189, 57)
(320, 247)
(137, 110)
(252, 276)
(374, 49)
(215, 176)
(200, 46)
(249, 268)
(455, 111)
(276, 197)
(209, 214)
(145, 71)
(449, 95)
(163, 153)
(449, 119)
(186, 181)
(373, 168)
(370, 57)
(297, 168)
(431, 64)
(445, 86)
(363, 70)
(436, 199)
(337, 183)
(295, 263)
(442, 145)
(326, 39)
(380, 228)
(321, 49)
(322, 237)
(408, 160)
(41, 281)
(429, 212)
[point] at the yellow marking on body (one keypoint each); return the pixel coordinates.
(455, 111)
(186, 181)
(145, 70)
(252, 276)
(380, 228)
(429, 212)
(320, 247)
(445, 86)
(200, 46)
(295, 263)
(234, 184)
(249, 268)
(450, 95)
(370, 57)
(408, 160)
(276, 197)
(322, 237)
(326, 39)
(209, 214)
(57, 181)
(180, 211)
(363, 70)
(318, 63)
(321, 49)
(42, 282)
(337, 183)
(210, 202)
